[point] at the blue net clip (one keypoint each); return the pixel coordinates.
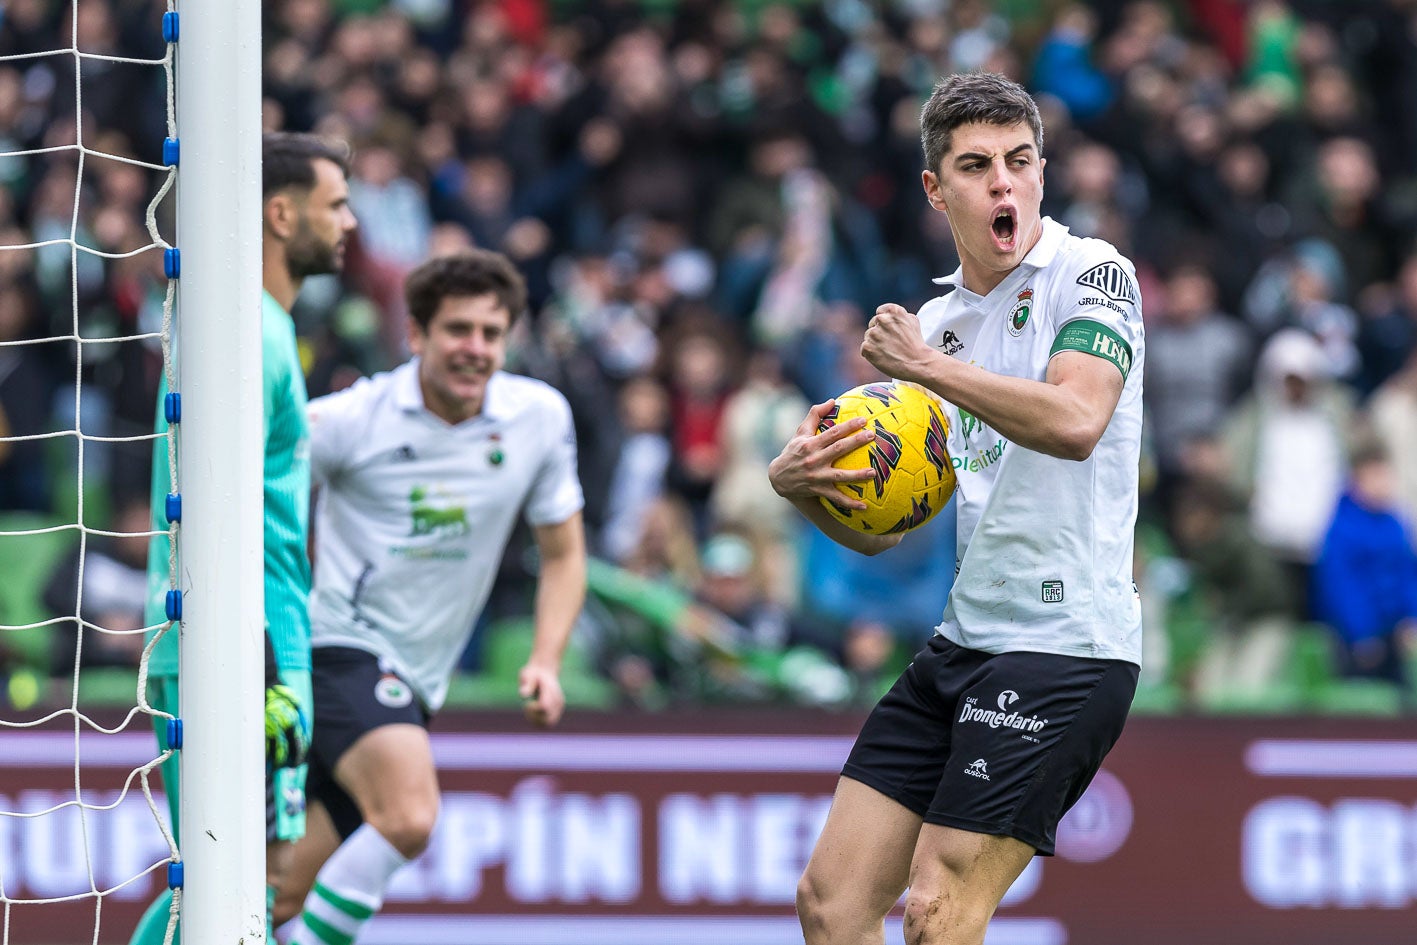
(174, 734)
(171, 151)
(172, 407)
(171, 27)
(172, 263)
(174, 506)
(174, 876)
(174, 605)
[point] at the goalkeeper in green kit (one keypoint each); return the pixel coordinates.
(306, 221)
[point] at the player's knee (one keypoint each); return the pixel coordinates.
(822, 911)
(409, 828)
(287, 906)
(941, 916)
(811, 905)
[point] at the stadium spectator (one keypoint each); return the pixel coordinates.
(1392, 410)
(1250, 606)
(113, 591)
(1365, 580)
(1198, 363)
(1286, 446)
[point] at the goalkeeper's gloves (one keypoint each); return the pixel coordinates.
(287, 730)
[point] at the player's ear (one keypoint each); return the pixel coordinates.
(280, 215)
(933, 191)
(416, 336)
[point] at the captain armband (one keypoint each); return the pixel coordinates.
(1094, 338)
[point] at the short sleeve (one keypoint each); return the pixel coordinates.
(332, 419)
(556, 493)
(1100, 311)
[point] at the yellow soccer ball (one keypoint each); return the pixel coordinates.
(913, 474)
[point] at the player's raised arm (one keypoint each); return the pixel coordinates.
(1063, 416)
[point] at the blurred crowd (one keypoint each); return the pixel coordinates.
(708, 198)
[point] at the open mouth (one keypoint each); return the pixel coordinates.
(1003, 227)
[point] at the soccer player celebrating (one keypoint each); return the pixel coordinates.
(306, 221)
(964, 768)
(421, 473)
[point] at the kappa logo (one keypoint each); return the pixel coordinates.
(978, 768)
(1111, 280)
(392, 692)
(950, 343)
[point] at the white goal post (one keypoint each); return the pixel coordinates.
(222, 806)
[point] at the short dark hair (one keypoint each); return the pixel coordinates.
(969, 97)
(468, 273)
(288, 160)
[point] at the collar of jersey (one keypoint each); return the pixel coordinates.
(409, 397)
(1038, 257)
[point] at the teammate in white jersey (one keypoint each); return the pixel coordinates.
(963, 770)
(422, 472)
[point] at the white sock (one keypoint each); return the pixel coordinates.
(348, 890)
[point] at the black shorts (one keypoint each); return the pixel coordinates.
(354, 694)
(1001, 744)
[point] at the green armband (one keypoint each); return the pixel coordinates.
(1097, 339)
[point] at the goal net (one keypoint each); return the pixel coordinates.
(129, 245)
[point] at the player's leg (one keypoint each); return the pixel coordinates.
(308, 855)
(162, 695)
(862, 859)
(389, 773)
(957, 880)
(381, 796)
(285, 805)
(858, 868)
(1030, 731)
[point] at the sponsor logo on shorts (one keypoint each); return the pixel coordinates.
(1001, 717)
(978, 769)
(392, 692)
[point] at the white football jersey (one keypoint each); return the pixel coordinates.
(414, 513)
(1045, 544)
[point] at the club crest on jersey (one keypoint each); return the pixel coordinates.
(1018, 315)
(1111, 280)
(392, 692)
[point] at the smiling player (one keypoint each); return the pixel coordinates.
(422, 472)
(963, 770)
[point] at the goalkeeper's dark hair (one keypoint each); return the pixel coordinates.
(288, 160)
(974, 97)
(468, 273)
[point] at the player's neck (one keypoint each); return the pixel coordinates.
(277, 280)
